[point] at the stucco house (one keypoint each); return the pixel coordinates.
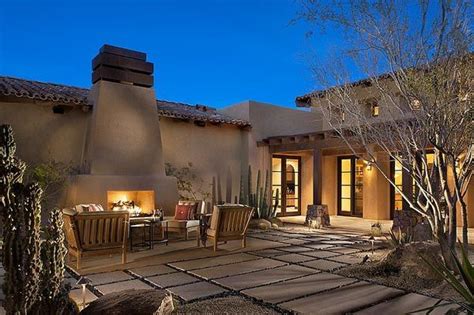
(119, 136)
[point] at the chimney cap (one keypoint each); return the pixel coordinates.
(123, 52)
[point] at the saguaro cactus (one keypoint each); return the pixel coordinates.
(21, 211)
(28, 286)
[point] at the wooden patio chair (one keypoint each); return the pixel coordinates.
(229, 222)
(96, 233)
(187, 226)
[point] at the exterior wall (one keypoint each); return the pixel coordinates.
(43, 136)
(306, 181)
(269, 120)
(214, 151)
(329, 189)
(376, 196)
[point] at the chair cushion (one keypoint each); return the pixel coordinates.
(183, 212)
(182, 223)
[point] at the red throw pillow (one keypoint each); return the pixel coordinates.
(182, 212)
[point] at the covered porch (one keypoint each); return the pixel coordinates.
(318, 168)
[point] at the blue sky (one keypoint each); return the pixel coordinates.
(205, 52)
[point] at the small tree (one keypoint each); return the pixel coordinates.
(190, 185)
(417, 58)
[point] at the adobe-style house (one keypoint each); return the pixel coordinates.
(119, 136)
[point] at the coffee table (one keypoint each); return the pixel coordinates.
(150, 223)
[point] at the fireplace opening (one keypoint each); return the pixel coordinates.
(135, 201)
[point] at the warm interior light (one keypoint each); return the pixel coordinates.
(135, 201)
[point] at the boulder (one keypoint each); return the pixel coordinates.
(261, 224)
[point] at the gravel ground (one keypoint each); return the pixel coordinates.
(225, 305)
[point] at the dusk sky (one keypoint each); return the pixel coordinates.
(205, 52)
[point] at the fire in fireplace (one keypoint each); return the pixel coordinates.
(135, 201)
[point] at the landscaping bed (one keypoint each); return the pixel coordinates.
(404, 268)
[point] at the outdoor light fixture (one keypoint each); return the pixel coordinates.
(368, 165)
(372, 239)
(83, 281)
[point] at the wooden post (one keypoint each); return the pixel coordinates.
(317, 176)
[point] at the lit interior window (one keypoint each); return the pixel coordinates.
(375, 110)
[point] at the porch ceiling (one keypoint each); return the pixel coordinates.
(326, 141)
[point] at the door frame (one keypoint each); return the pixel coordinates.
(283, 184)
(339, 182)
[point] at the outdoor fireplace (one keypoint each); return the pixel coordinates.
(123, 150)
(135, 201)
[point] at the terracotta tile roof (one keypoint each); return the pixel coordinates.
(65, 94)
(197, 113)
(43, 91)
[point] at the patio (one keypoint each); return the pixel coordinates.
(286, 270)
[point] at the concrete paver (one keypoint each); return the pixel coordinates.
(323, 264)
(294, 258)
(408, 303)
(152, 270)
(124, 285)
(212, 261)
(342, 300)
(296, 249)
(238, 268)
(284, 291)
(268, 276)
(321, 254)
(196, 290)
(172, 279)
(108, 277)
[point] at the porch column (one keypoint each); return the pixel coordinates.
(407, 188)
(317, 176)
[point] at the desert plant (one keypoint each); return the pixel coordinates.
(33, 269)
(51, 177)
(399, 239)
(376, 229)
(190, 185)
(462, 283)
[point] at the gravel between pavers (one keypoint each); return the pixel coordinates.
(224, 305)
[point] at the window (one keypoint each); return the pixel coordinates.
(375, 110)
(372, 106)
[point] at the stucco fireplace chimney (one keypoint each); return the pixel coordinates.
(123, 150)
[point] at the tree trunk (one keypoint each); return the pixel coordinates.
(452, 229)
(465, 240)
(446, 247)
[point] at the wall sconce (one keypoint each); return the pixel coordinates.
(368, 165)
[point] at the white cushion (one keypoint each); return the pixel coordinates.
(182, 223)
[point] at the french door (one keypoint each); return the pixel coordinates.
(286, 177)
(350, 190)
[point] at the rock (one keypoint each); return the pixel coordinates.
(276, 222)
(410, 222)
(261, 224)
(127, 302)
(317, 216)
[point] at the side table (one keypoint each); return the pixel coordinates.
(150, 223)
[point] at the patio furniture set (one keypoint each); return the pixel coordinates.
(92, 232)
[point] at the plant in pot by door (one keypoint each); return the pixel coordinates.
(376, 229)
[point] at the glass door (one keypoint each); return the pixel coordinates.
(286, 178)
(350, 186)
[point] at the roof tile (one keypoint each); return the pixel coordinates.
(74, 95)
